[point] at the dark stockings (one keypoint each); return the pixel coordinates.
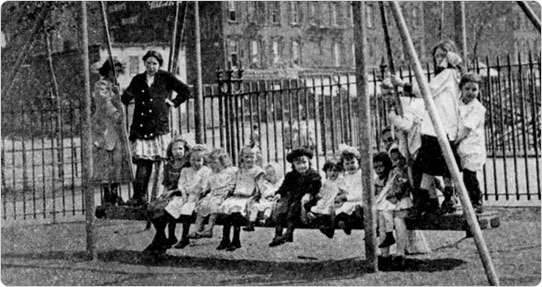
(143, 175)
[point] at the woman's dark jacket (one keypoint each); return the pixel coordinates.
(151, 112)
(295, 185)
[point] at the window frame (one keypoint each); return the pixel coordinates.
(232, 10)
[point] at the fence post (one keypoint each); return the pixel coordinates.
(198, 106)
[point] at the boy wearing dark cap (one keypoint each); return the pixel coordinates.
(298, 182)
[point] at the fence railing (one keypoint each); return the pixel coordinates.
(41, 147)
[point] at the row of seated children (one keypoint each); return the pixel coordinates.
(239, 194)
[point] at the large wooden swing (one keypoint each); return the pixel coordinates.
(452, 221)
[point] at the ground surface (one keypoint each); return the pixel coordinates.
(54, 255)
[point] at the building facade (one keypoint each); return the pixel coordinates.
(282, 39)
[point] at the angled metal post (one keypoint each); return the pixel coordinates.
(529, 12)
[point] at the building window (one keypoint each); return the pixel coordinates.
(313, 10)
(251, 10)
(334, 15)
(296, 53)
(134, 64)
(233, 49)
(275, 12)
(275, 51)
(294, 8)
(260, 12)
(254, 54)
(416, 17)
(369, 14)
(354, 55)
(232, 12)
(337, 54)
(351, 15)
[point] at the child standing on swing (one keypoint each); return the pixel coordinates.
(471, 136)
(445, 92)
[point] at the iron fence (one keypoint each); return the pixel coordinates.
(41, 146)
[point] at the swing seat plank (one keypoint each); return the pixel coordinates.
(454, 221)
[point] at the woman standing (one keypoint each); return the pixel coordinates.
(111, 164)
(149, 132)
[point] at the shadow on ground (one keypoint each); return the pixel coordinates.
(256, 269)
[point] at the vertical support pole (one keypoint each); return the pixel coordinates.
(445, 146)
(86, 151)
(369, 210)
(464, 35)
(199, 97)
(174, 113)
(529, 12)
(173, 43)
(459, 31)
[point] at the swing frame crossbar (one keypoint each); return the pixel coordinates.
(452, 221)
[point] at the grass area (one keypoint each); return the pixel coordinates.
(54, 255)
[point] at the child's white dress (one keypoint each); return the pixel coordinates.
(243, 194)
(353, 185)
(192, 182)
(265, 204)
(329, 190)
(220, 185)
(472, 150)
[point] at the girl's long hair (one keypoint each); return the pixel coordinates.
(448, 46)
(169, 152)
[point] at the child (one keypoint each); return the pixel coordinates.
(324, 208)
(221, 183)
(471, 136)
(159, 218)
(249, 180)
(298, 182)
(382, 166)
(400, 194)
(350, 202)
(191, 183)
(272, 181)
(110, 149)
(445, 92)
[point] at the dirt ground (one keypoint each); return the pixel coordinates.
(54, 254)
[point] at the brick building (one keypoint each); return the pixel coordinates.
(274, 38)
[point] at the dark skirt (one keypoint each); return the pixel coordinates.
(431, 159)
